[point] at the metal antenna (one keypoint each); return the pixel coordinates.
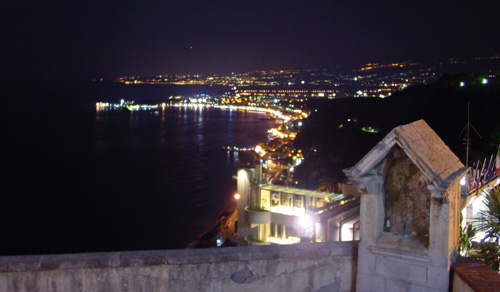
(467, 140)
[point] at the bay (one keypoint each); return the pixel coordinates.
(81, 180)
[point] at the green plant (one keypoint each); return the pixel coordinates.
(465, 240)
(489, 253)
(253, 238)
(489, 223)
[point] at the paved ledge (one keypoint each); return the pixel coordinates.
(174, 257)
(477, 275)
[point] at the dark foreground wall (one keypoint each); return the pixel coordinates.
(329, 266)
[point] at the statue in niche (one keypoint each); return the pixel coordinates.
(407, 202)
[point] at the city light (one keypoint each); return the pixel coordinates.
(260, 151)
(305, 221)
(237, 196)
(242, 174)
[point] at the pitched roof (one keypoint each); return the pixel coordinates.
(422, 145)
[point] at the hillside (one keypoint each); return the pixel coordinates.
(335, 137)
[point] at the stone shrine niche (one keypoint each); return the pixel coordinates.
(407, 199)
(412, 178)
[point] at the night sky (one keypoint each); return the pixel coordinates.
(92, 39)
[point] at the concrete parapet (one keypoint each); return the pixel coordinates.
(300, 267)
(470, 274)
(258, 217)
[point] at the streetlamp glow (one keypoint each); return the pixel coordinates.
(305, 221)
(242, 174)
(237, 196)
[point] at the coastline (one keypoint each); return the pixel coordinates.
(224, 230)
(225, 226)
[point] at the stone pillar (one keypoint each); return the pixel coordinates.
(439, 237)
(371, 221)
(372, 208)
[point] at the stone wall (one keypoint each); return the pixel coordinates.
(329, 266)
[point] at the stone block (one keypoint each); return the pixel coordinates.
(343, 248)
(400, 270)
(20, 263)
(333, 287)
(369, 283)
(439, 261)
(138, 260)
(438, 277)
(392, 285)
(244, 276)
(369, 217)
(366, 260)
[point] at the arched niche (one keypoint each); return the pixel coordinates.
(407, 198)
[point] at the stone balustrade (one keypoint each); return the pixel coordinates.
(329, 266)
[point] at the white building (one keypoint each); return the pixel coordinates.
(275, 214)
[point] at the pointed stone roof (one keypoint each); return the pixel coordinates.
(423, 146)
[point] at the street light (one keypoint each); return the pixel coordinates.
(305, 221)
(307, 228)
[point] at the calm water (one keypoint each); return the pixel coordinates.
(83, 180)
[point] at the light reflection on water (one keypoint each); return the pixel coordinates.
(122, 181)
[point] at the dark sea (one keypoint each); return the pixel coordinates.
(81, 180)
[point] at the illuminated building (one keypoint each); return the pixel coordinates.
(275, 214)
(284, 93)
